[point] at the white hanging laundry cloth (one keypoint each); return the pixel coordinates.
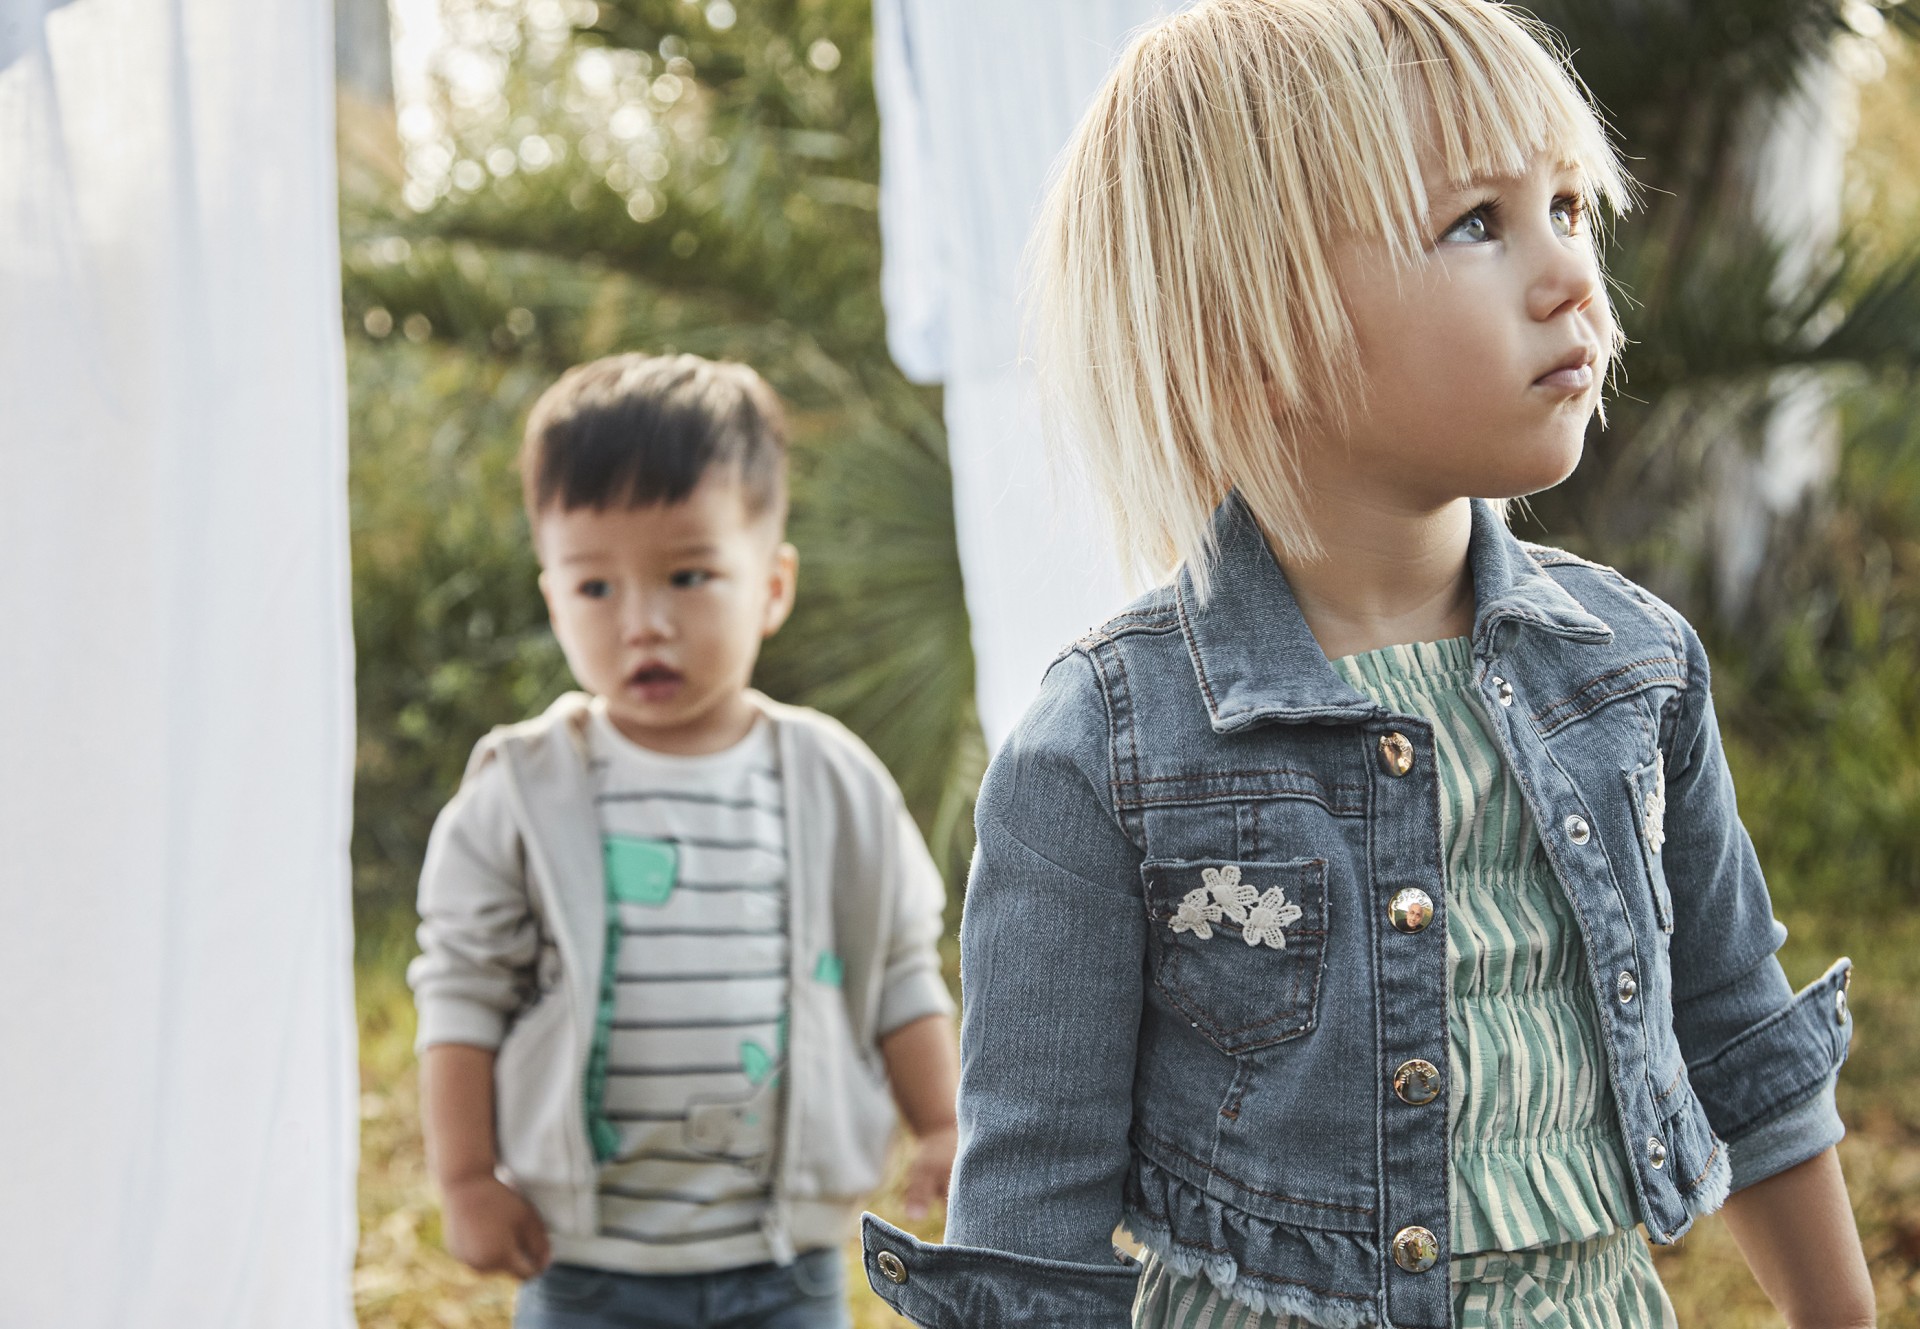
(976, 102)
(178, 1119)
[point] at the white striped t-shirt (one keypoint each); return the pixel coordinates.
(696, 857)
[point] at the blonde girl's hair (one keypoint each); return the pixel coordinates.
(1186, 324)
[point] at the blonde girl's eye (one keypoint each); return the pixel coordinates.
(1569, 212)
(595, 588)
(1476, 227)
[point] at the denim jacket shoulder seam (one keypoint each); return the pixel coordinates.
(1548, 556)
(1671, 625)
(1125, 624)
(1090, 648)
(1099, 656)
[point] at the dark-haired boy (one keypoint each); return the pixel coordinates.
(672, 931)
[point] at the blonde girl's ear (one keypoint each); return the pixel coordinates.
(784, 581)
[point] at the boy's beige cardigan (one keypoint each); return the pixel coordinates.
(513, 933)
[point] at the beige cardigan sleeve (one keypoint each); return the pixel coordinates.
(911, 985)
(479, 936)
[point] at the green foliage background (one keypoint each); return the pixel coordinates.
(662, 175)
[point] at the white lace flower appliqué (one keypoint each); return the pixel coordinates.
(1267, 921)
(1654, 819)
(1197, 914)
(1262, 919)
(1233, 896)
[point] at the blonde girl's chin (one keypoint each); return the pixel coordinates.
(1540, 473)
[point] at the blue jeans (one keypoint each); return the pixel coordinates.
(810, 1293)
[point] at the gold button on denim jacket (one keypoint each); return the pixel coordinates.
(1190, 975)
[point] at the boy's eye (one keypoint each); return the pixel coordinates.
(1567, 213)
(595, 588)
(690, 578)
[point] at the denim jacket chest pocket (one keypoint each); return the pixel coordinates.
(1238, 947)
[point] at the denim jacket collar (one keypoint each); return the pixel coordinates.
(1257, 660)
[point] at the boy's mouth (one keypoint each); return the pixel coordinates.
(654, 682)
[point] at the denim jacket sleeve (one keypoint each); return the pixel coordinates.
(1051, 951)
(1762, 1059)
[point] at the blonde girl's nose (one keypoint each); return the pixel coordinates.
(1569, 280)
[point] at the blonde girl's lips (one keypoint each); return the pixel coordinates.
(1577, 378)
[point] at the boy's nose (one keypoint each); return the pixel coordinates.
(649, 621)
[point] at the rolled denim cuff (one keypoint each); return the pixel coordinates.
(966, 1287)
(1781, 1061)
(1799, 1133)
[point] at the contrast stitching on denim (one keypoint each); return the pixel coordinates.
(1330, 789)
(1140, 618)
(1133, 727)
(1124, 624)
(1236, 795)
(1097, 658)
(1674, 1084)
(1113, 752)
(1253, 770)
(1694, 1181)
(1594, 703)
(1199, 661)
(1173, 1148)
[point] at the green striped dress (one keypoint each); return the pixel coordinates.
(1541, 1207)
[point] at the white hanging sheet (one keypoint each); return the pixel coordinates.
(177, 1075)
(976, 101)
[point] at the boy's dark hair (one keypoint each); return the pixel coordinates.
(631, 430)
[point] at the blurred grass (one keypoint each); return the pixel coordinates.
(406, 1281)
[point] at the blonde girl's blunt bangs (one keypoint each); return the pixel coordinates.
(1186, 323)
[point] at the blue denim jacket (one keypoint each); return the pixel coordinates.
(1232, 1104)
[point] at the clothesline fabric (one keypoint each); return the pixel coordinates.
(976, 102)
(178, 1127)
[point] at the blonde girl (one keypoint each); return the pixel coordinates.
(1362, 920)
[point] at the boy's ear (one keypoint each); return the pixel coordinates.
(546, 591)
(784, 576)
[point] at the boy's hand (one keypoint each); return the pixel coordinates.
(929, 1170)
(491, 1228)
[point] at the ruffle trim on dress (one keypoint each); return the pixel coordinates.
(1196, 1236)
(1569, 1188)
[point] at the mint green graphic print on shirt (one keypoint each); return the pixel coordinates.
(640, 871)
(637, 872)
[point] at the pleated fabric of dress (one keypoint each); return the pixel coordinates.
(1543, 1221)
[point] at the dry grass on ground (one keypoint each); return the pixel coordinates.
(406, 1281)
